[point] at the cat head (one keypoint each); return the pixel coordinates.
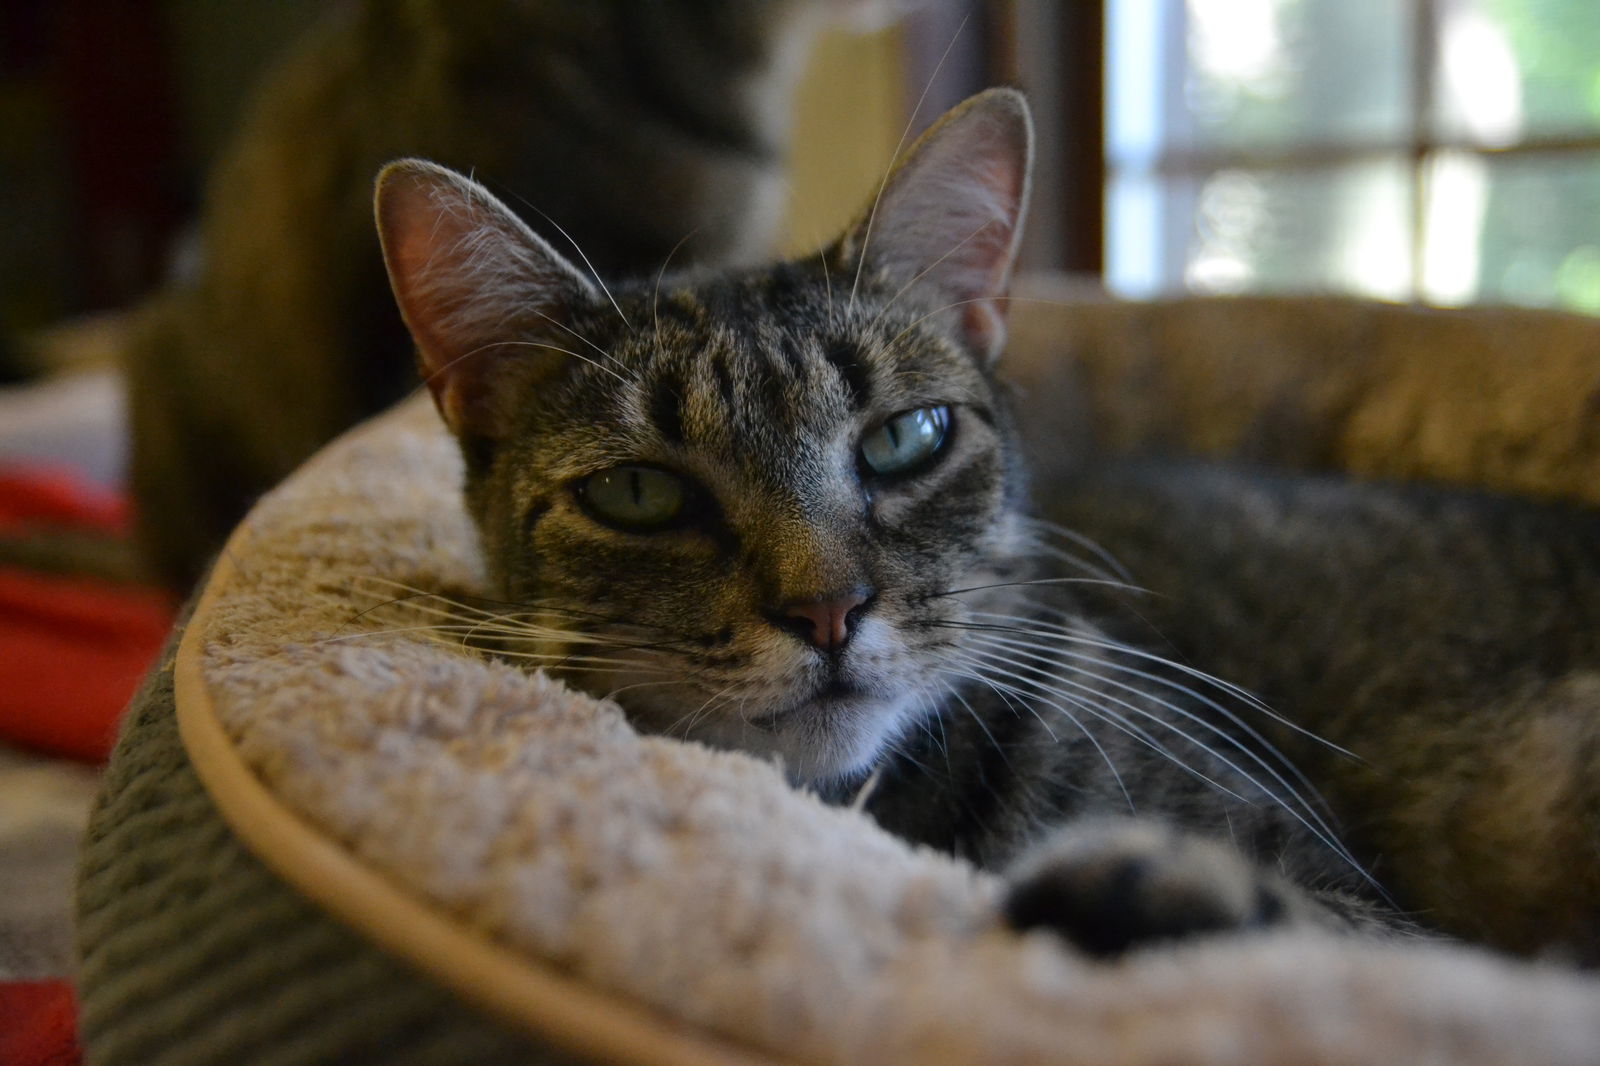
(749, 504)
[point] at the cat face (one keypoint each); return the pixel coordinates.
(743, 503)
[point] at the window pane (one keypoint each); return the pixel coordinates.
(1282, 72)
(1518, 68)
(1521, 229)
(1341, 229)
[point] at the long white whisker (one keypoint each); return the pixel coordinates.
(1122, 585)
(1088, 544)
(556, 322)
(535, 344)
(655, 291)
(1311, 819)
(598, 280)
(872, 213)
(924, 272)
(1050, 653)
(1078, 637)
(980, 670)
(1047, 681)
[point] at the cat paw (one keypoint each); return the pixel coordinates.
(1108, 886)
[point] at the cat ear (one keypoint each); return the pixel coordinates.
(949, 217)
(476, 287)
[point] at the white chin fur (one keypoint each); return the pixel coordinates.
(818, 741)
(822, 744)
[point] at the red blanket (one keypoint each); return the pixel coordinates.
(72, 652)
(38, 1022)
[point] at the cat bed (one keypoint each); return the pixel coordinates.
(332, 834)
(1501, 398)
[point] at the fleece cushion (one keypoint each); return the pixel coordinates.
(332, 833)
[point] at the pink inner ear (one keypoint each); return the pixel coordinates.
(469, 277)
(951, 215)
(416, 230)
(424, 228)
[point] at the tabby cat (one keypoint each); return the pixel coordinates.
(781, 509)
(640, 129)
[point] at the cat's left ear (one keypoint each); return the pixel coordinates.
(480, 292)
(949, 217)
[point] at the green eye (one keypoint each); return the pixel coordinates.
(907, 441)
(634, 497)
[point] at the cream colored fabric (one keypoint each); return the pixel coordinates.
(694, 885)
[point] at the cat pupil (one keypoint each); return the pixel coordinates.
(633, 497)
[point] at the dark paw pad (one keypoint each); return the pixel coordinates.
(1113, 887)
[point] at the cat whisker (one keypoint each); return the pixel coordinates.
(1301, 809)
(905, 134)
(513, 623)
(598, 280)
(1048, 681)
(565, 661)
(827, 281)
(858, 802)
(711, 702)
(1052, 655)
(645, 684)
(1086, 543)
(985, 661)
(556, 322)
(519, 620)
(933, 717)
(1047, 648)
(537, 344)
(655, 290)
(1122, 585)
(1005, 698)
(1077, 636)
(470, 628)
(1012, 695)
(908, 286)
(516, 608)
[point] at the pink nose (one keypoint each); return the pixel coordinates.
(827, 621)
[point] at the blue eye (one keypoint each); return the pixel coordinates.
(907, 441)
(637, 498)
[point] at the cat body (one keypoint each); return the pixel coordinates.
(783, 509)
(1448, 640)
(643, 130)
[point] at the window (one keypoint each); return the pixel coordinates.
(1439, 150)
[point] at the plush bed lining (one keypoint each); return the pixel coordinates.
(650, 879)
(571, 1015)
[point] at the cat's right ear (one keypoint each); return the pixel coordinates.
(477, 288)
(948, 218)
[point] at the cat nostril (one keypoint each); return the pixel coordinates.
(826, 621)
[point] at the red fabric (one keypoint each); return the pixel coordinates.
(72, 653)
(72, 650)
(38, 495)
(38, 1024)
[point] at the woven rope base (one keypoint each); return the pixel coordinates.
(195, 953)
